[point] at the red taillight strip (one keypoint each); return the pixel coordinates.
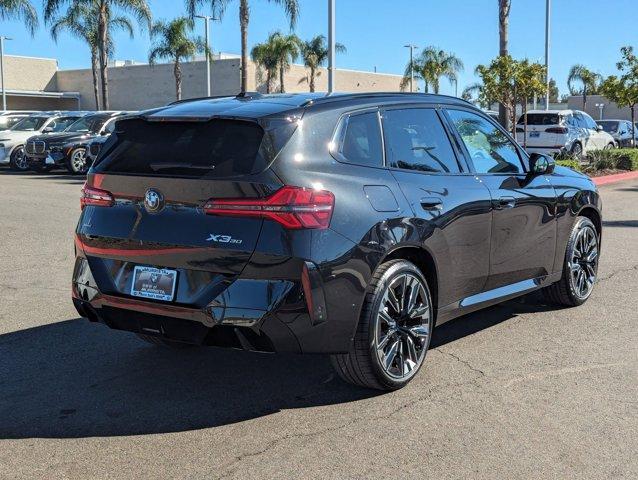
(95, 197)
(292, 207)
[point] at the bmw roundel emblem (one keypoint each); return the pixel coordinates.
(153, 201)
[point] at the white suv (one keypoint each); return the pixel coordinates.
(554, 132)
(12, 140)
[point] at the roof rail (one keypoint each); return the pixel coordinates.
(197, 99)
(337, 97)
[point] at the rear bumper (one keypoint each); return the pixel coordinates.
(251, 314)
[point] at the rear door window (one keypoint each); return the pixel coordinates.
(416, 140)
(212, 149)
(361, 140)
(540, 119)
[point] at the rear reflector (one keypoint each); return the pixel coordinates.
(95, 197)
(559, 130)
(292, 207)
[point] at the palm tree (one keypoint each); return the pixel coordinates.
(432, 65)
(20, 9)
(286, 48)
(264, 55)
(504, 7)
(589, 81)
(81, 21)
(172, 41)
(219, 6)
(105, 10)
(315, 53)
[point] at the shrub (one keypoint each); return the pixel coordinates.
(619, 159)
(570, 163)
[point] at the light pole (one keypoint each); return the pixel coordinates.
(601, 107)
(331, 45)
(207, 19)
(411, 47)
(548, 9)
(4, 92)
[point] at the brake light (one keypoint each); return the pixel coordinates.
(95, 197)
(558, 130)
(292, 207)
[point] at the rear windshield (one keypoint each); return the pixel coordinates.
(540, 119)
(212, 149)
(609, 127)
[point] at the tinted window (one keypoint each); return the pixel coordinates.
(29, 124)
(610, 127)
(218, 148)
(580, 120)
(490, 149)
(361, 142)
(415, 140)
(540, 119)
(89, 123)
(61, 124)
(589, 122)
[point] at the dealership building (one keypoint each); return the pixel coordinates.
(38, 84)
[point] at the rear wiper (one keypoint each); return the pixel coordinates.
(168, 166)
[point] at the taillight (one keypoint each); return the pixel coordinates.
(95, 197)
(293, 207)
(558, 130)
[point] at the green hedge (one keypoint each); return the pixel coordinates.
(617, 159)
(573, 164)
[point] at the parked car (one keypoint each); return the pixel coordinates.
(622, 131)
(95, 146)
(556, 132)
(9, 118)
(346, 224)
(68, 149)
(12, 141)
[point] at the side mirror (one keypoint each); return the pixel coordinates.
(540, 164)
(599, 128)
(47, 130)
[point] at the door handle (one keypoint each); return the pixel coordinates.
(505, 202)
(431, 203)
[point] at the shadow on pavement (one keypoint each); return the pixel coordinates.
(54, 175)
(620, 223)
(75, 379)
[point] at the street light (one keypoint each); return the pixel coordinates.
(601, 107)
(4, 92)
(207, 19)
(412, 48)
(548, 8)
(331, 45)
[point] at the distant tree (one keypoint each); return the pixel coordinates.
(172, 41)
(432, 65)
(499, 85)
(265, 56)
(105, 11)
(529, 80)
(623, 90)
(315, 53)
(475, 93)
(81, 21)
(582, 81)
(287, 49)
(21, 10)
(291, 8)
(553, 91)
(504, 8)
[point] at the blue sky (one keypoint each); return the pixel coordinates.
(374, 31)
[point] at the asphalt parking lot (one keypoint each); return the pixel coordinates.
(516, 391)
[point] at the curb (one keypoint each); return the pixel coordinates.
(618, 177)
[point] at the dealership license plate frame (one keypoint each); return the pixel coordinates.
(154, 289)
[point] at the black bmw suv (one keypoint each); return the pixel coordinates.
(342, 224)
(68, 149)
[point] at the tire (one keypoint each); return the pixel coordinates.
(389, 347)
(610, 146)
(577, 150)
(78, 163)
(18, 160)
(567, 291)
(162, 342)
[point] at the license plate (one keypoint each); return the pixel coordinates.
(534, 134)
(155, 283)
